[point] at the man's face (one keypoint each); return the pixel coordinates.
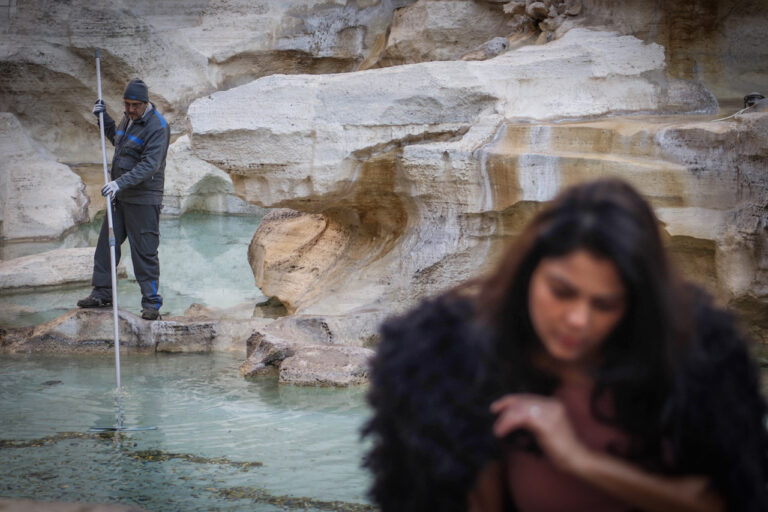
(134, 109)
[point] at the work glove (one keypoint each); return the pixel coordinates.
(98, 108)
(110, 189)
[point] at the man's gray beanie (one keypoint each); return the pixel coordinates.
(136, 90)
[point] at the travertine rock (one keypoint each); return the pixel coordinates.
(244, 40)
(487, 50)
(181, 49)
(327, 366)
(330, 146)
(92, 330)
(716, 218)
(304, 362)
(720, 44)
(39, 198)
(51, 268)
(433, 30)
(192, 184)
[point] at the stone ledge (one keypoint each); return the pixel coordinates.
(92, 331)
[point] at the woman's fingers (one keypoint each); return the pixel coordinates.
(518, 411)
(545, 418)
(513, 400)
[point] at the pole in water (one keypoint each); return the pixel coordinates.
(113, 267)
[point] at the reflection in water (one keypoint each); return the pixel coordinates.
(223, 443)
(203, 259)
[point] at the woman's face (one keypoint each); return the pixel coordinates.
(575, 301)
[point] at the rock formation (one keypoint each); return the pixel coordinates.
(348, 160)
(404, 188)
(195, 185)
(51, 268)
(91, 330)
(39, 198)
(181, 49)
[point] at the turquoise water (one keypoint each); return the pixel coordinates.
(203, 259)
(222, 442)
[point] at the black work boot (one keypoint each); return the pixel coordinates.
(94, 301)
(150, 314)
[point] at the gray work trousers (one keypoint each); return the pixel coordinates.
(140, 223)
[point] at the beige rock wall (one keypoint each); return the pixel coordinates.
(401, 188)
(719, 43)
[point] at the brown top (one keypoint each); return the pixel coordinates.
(537, 486)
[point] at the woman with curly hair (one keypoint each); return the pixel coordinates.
(583, 374)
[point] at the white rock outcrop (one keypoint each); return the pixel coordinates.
(39, 198)
(181, 49)
(51, 268)
(192, 184)
(304, 136)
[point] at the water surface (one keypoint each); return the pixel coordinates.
(203, 259)
(222, 442)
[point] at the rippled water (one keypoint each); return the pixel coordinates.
(203, 259)
(222, 442)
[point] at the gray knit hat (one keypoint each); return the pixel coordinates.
(136, 90)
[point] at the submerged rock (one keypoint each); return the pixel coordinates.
(306, 364)
(321, 365)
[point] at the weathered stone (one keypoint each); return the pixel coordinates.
(537, 10)
(302, 363)
(444, 30)
(183, 337)
(265, 354)
(327, 366)
(369, 225)
(573, 7)
(720, 44)
(52, 268)
(514, 8)
(92, 330)
(233, 326)
(182, 49)
(488, 50)
(314, 349)
(39, 198)
(192, 184)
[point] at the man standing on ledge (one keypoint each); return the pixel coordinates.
(138, 173)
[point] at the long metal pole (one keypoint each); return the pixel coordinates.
(112, 258)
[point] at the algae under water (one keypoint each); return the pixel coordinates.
(223, 442)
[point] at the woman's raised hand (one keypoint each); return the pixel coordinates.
(547, 420)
